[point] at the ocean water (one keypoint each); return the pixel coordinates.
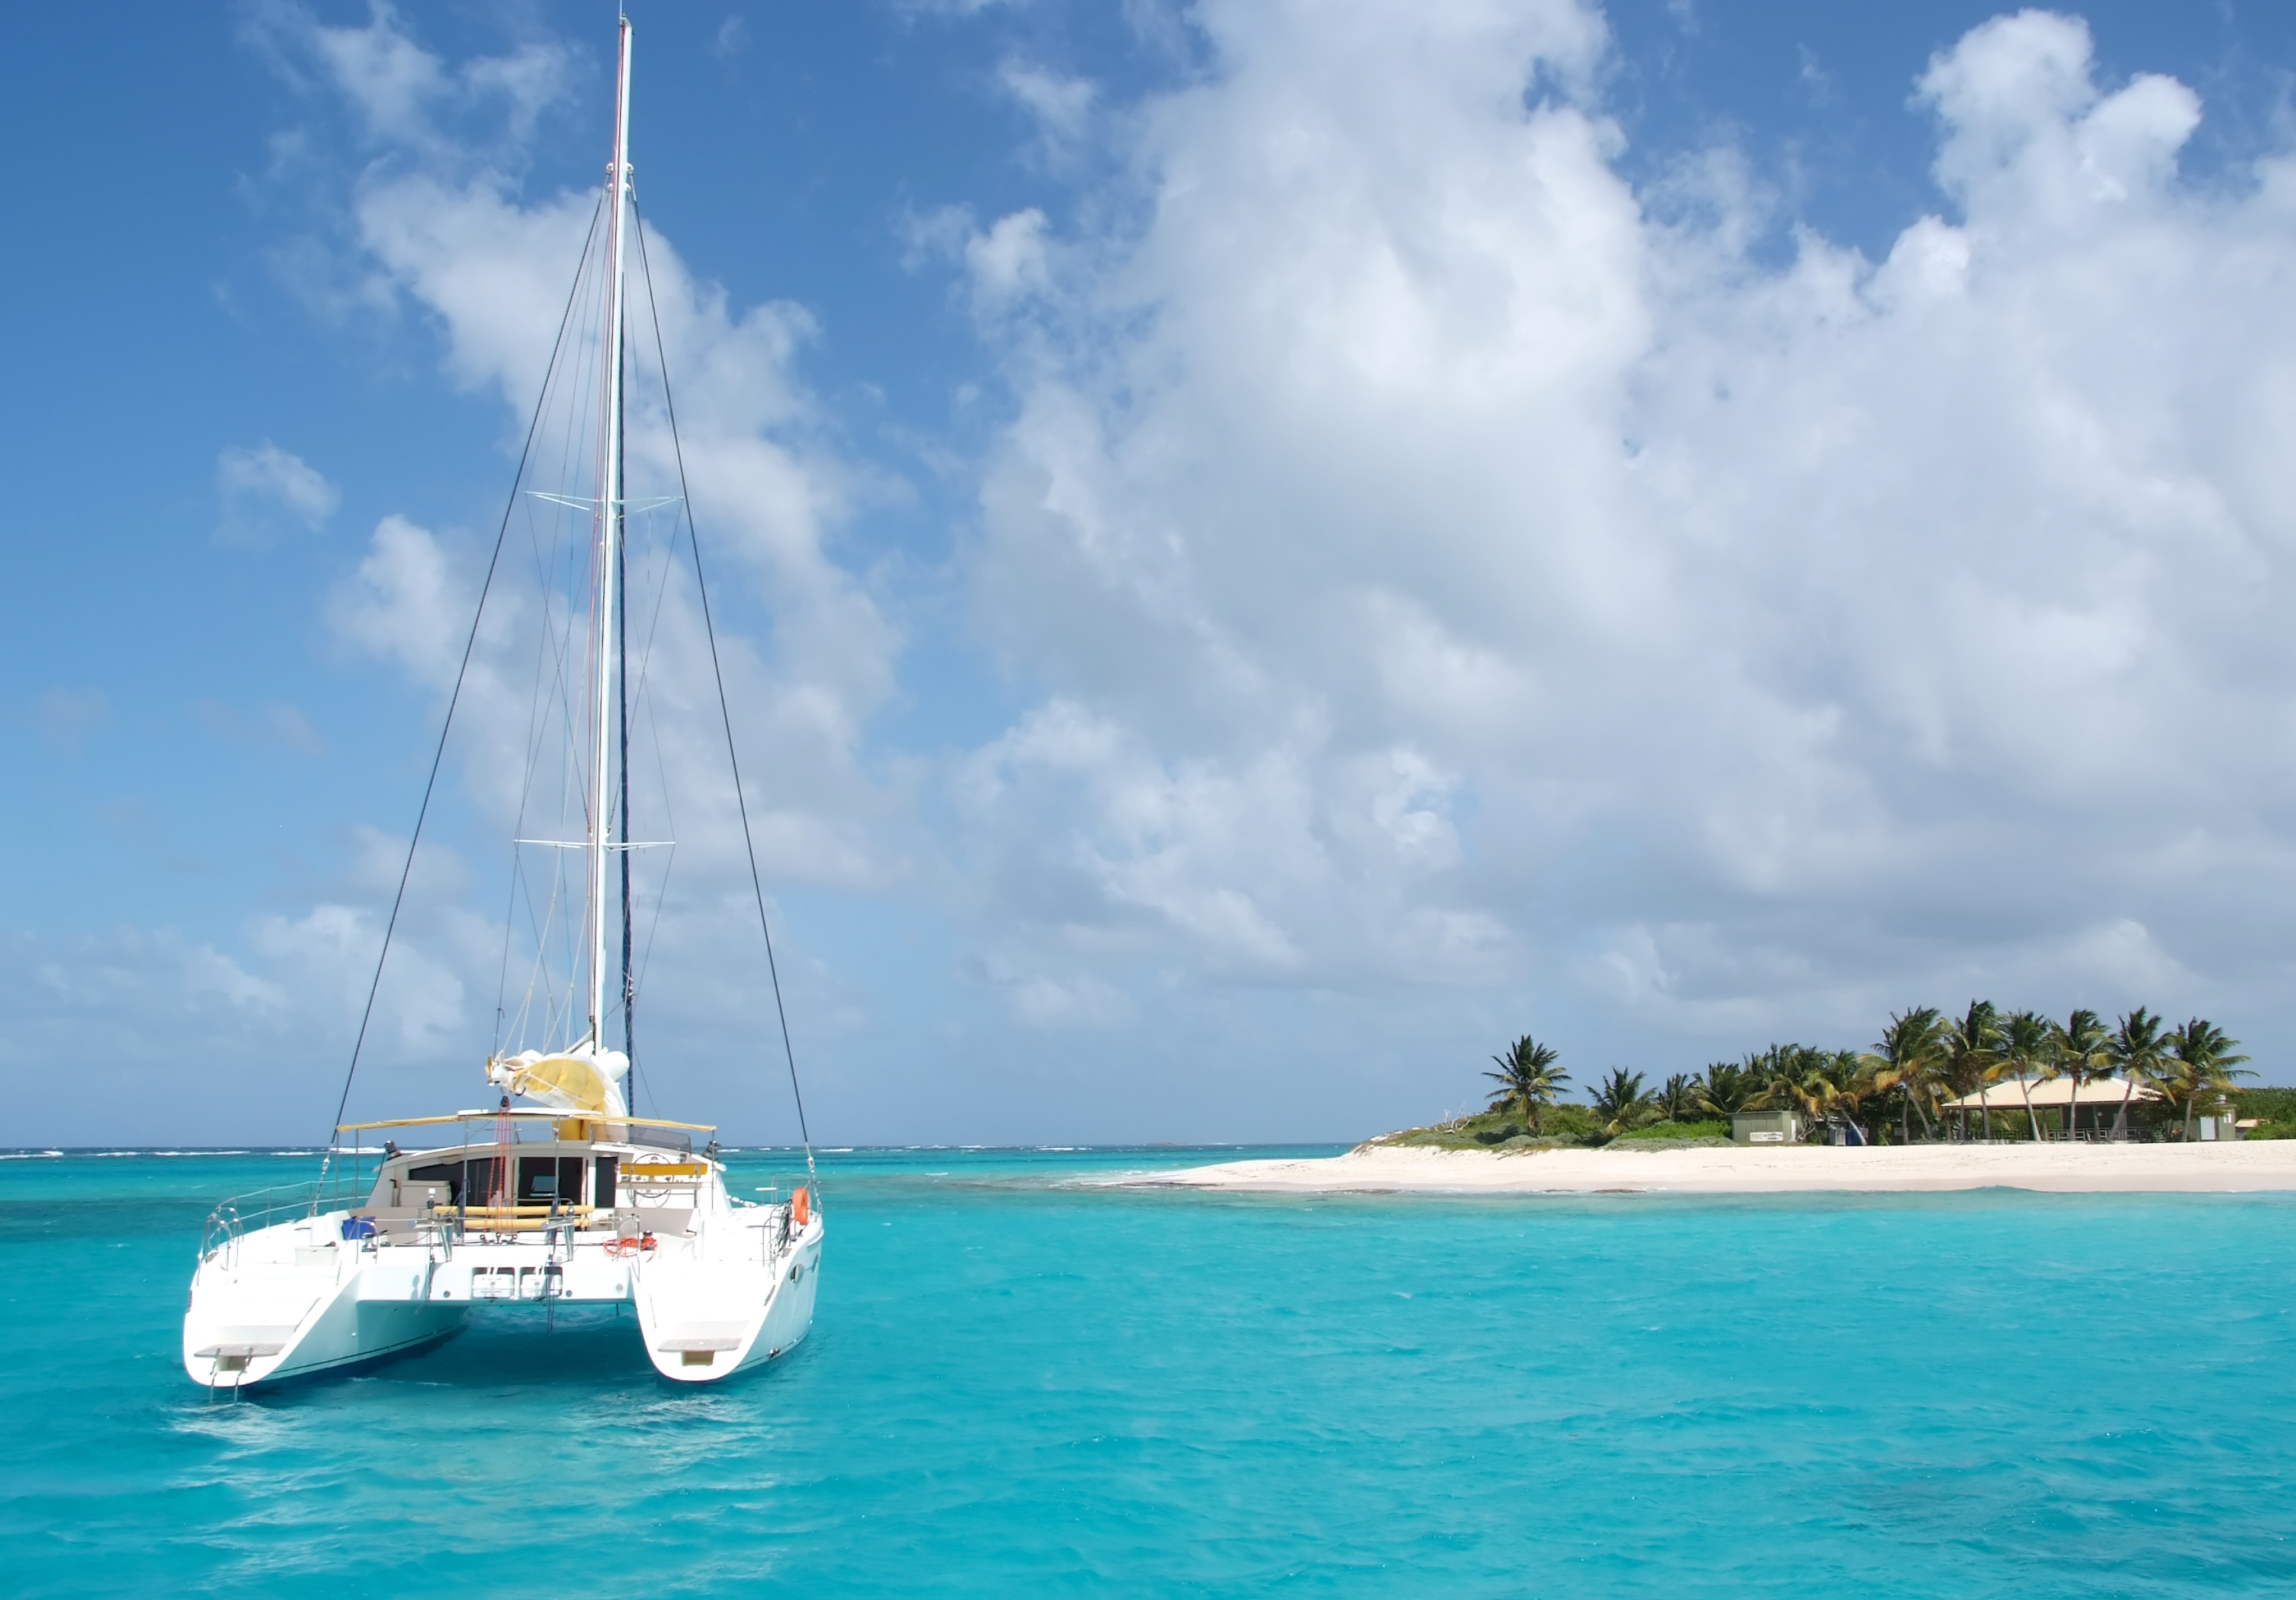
(1019, 1382)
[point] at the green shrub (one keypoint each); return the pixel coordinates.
(1572, 1125)
(1561, 1127)
(1680, 1131)
(2272, 1105)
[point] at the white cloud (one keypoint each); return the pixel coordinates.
(1010, 258)
(404, 96)
(1060, 102)
(328, 955)
(1410, 528)
(1060, 106)
(265, 486)
(405, 605)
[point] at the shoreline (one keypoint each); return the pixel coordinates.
(2266, 1166)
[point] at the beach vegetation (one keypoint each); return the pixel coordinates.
(1528, 1080)
(1671, 1132)
(1620, 1105)
(1970, 1047)
(2273, 1110)
(1909, 1062)
(1897, 1091)
(2080, 1048)
(1728, 1087)
(2028, 1053)
(2202, 1062)
(1676, 1099)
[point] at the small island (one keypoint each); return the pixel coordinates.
(1983, 1100)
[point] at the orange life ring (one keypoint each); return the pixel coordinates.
(640, 1245)
(800, 1207)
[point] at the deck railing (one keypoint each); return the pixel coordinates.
(233, 1219)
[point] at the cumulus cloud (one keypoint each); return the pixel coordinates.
(1061, 107)
(403, 98)
(266, 488)
(1439, 559)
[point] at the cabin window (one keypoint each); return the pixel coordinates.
(449, 1173)
(602, 1194)
(545, 1179)
(481, 1179)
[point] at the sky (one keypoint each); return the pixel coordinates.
(1261, 549)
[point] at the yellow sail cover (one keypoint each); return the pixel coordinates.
(582, 1079)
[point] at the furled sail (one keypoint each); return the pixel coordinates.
(579, 1078)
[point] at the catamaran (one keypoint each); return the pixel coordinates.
(556, 1194)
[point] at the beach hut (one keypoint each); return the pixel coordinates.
(2102, 1104)
(1766, 1127)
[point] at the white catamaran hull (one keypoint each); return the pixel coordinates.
(297, 1299)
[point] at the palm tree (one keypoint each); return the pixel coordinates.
(1678, 1097)
(1620, 1102)
(2080, 1056)
(1814, 1081)
(2029, 1044)
(2204, 1054)
(1845, 1071)
(1728, 1088)
(1909, 1058)
(1527, 1077)
(2140, 1053)
(1970, 1047)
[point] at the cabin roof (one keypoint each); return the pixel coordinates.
(525, 1114)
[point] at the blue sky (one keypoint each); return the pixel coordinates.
(1273, 547)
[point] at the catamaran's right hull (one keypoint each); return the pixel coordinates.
(703, 1319)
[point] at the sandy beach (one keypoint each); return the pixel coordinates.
(2060, 1169)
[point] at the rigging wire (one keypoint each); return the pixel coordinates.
(725, 710)
(438, 755)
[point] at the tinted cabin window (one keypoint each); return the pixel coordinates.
(449, 1173)
(543, 1179)
(481, 1180)
(602, 1195)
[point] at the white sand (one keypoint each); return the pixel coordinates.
(1756, 1169)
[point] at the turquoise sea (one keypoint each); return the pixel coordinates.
(1018, 1383)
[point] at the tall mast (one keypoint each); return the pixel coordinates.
(607, 602)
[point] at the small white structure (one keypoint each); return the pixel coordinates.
(1766, 1127)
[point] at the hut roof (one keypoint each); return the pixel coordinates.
(2009, 1095)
